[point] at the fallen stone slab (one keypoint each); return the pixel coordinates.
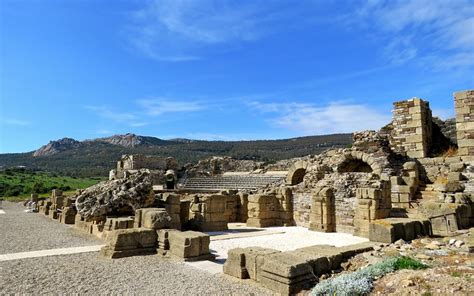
(129, 242)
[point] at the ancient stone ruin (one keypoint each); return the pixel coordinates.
(404, 181)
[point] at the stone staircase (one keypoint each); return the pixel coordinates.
(426, 193)
(231, 182)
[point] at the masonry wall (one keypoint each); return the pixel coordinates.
(302, 208)
(412, 123)
(464, 103)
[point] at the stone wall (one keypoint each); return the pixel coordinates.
(302, 208)
(464, 103)
(412, 128)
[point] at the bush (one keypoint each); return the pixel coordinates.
(361, 281)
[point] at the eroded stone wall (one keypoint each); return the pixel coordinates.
(412, 128)
(464, 103)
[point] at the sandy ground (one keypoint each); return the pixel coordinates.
(286, 239)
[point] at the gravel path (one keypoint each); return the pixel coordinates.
(22, 232)
(89, 274)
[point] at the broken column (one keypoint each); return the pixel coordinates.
(464, 103)
(412, 128)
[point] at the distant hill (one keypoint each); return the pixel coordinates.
(96, 157)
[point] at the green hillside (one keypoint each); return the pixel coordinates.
(95, 158)
(20, 182)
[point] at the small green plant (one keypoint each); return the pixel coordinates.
(408, 263)
(456, 274)
(361, 281)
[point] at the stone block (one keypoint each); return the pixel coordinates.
(454, 176)
(68, 215)
(156, 219)
(285, 286)
(384, 232)
(189, 245)
(416, 154)
(129, 242)
(287, 266)
(254, 259)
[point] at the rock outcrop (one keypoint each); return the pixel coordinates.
(116, 197)
(54, 147)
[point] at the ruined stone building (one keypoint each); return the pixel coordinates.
(408, 173)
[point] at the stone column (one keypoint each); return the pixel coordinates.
(412, 128)
(323, 211)
(464, 103)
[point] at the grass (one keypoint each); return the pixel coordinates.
(456, 274)
(452, 151)
(361, 282)
(18, 184)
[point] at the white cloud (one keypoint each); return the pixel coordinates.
(13, 121)
(177, 30)
(138, 124)
(336, 117)
(438, 32)
(108, 113)
(103, 132)
(160, 106)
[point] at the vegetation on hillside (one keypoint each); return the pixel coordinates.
(21, 182)
(95, 158)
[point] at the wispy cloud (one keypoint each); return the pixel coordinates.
(103, 132)
(437, 32)
(158, 106)
(178, 30)
(108, 113)
(13, 121)
(308, 119)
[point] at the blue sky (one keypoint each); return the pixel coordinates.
(224, 70)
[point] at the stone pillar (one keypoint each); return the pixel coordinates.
(464, 103)
(323, 211)
(412, 128)
(373, 204)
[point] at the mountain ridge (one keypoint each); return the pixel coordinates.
(95, 157)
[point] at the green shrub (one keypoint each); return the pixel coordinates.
(361, 282)
(408, 263)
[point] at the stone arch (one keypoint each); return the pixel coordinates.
(357, 161)
(296, 172)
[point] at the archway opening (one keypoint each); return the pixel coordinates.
(298, 176)
(354, 166)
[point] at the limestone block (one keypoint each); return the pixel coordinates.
(129, 242)
(115, 223)
(235, 264)
(254, 259)
(288, 266)
(156, 219)
(416, 154)
(189, 244)
(163, 238)
(457, 167)
(68, 215)
(454, 176)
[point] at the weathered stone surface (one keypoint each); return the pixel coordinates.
(157, 219)
(129, 242)
(116, 196)
(190, 245)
